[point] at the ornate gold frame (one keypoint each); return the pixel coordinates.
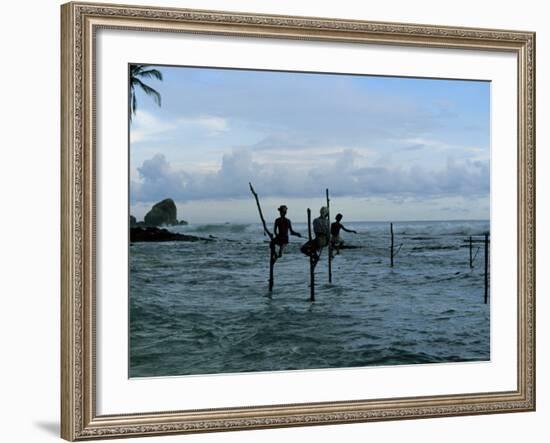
(79, 420)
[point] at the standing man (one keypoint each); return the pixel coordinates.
(281, 229)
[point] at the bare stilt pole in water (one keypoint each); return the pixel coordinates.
(329, 243)
(391, 247)
(486, 267)
(311, 262)
(273, 254)
(272, 260)
(471, 263)
(393, 252)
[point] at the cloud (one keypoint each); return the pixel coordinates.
(413, 147)
(344, 175)
(158, 180)
(458, 178)
(147, 127)
(293, 135)
(211, 124)
(300, 110)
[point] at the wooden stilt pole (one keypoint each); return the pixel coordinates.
(471, 264)
(272, 260)
(311, 264)
(329, 242)
(391, 247)
(486, 267)
(272, 253)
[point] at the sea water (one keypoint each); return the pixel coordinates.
(204, 307)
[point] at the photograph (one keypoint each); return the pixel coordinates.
(282, 218)
(287, 220)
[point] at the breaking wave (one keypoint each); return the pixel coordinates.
(233, 228)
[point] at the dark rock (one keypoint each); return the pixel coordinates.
(150, 234)
(162, 213)
(133, 221)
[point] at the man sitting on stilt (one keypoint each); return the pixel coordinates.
(281, 229)
(335, 228)
(321, 229)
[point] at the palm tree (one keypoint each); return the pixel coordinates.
(138, 72)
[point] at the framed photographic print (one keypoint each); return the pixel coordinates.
(282, 221)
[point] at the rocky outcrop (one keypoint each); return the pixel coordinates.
(149, 234)
(162, 213)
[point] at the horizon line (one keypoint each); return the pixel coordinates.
(357, 221)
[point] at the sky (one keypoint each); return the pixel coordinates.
(388, 148)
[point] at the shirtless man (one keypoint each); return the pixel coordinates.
(335, 233)
(282, 228)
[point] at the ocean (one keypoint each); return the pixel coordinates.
(205, 308)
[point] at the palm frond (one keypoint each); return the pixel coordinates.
(136, 69)
(149, 91)
(143, 71)
(151, 73)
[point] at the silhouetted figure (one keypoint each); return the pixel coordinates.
(281, 229)
(321, 230)
(335, 228)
